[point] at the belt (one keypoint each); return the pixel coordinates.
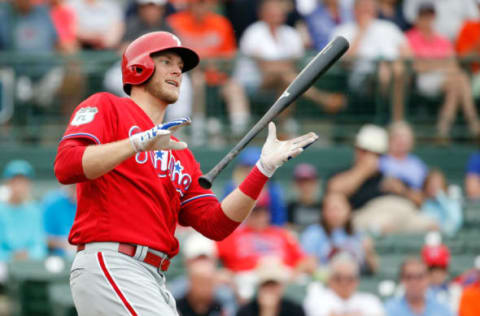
(153, 257)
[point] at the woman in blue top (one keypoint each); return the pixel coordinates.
(335, 234)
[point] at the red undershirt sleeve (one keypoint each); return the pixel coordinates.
(207, 217)
(68, 166)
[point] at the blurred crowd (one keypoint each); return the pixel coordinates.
(322, 236)
(249, 48)
(322, 239)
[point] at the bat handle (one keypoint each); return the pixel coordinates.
(205, 181)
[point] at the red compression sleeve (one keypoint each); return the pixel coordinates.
(207, 217)
(253, 183)
(68, 165)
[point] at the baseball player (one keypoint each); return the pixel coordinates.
(135, 181)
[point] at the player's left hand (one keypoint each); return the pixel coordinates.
(158, 138)
(275, 152)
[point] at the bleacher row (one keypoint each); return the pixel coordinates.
(46, 124)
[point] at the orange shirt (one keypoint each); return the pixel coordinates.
(470, 301)
(211, 38)
(468, 38)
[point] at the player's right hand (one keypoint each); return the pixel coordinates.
(158, 138)
(275, 152)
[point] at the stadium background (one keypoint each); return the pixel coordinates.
(31, 132)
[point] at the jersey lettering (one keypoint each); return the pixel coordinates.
(166, 165)
(84, 116)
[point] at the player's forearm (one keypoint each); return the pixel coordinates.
(98, 160)
(237, 205)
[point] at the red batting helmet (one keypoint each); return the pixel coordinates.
(137, 63)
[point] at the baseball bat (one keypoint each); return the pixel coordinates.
(304, 80)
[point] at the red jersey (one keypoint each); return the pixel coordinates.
(141, 200)
(242, 250)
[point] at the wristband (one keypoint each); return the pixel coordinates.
(253, 183)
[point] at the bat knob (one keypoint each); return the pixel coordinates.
(205, 182)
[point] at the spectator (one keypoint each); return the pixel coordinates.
(470, 300)
(341, 297)
(21, 231)
(334, 234)
(270, 49)
(58, 213)
(437, 258)
(406, 171)
(366, 50)
(304, 210)
(26, 28)
(391, 10)
(451, 14)
(257, 239)
(376, 208)
(472, 179)
(200, 299)
(468, 46)
(64, 20)
(272, 279)
(438, 71)
(322, 18)
(100, 23)
(416, 300)
(246, 160)
(211, 36)
(441, 206)
(197, 248)
(149, 17)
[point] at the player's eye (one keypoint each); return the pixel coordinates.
(165, 61)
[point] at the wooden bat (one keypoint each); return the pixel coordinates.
(304, 80)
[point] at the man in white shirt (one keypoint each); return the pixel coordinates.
(340, 297)
(373, 40)
(271, 49)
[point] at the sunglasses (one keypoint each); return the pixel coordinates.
(344, 278)
(414, 276)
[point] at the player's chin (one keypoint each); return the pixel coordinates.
(171, 96)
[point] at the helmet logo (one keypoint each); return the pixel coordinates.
(177, 40)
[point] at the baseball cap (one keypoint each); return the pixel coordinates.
(436, 256)
(272, 269)
(249, 156)
(304, 171)
(156, 2)
(196, 245)
(425, 7)
(263, 200)
(372, 138)
(18, 168)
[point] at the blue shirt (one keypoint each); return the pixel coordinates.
(411, 170)
(399, 307)
(21, 229)
(316, 242)
(473, 165)
(446, 211)
(33, 32)
(59, 213)
(321, 24)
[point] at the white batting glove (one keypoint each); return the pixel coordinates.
(158, 138)
(275, 152)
